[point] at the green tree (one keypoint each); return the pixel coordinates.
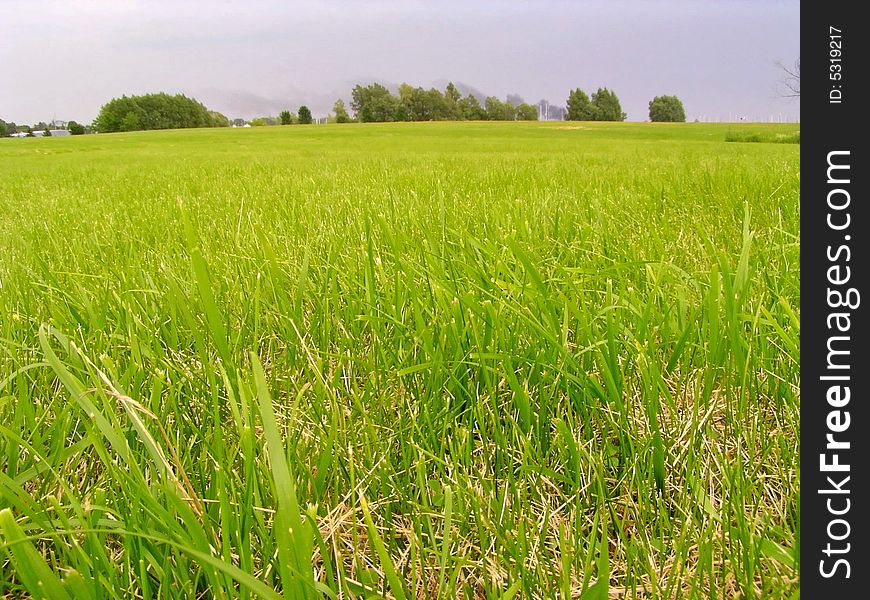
(607, 107)
(496, 110)
(286, 117)
(405, 108)
(373, 103)
(667, 109)
(421, 106)
(218, 119)
(452, 93)
(470, 109)
(154, 111)
(439, 108)
(579, 107)
(340, 111)
(418, 104)
(305, 115)
(75, 128)
(131, 122)
(527, 112)
(451, 101)
(493, 108)
(4, 130)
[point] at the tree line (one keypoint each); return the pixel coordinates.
(602, 106)
(374, 103)
(285, 117)
(156, 111)
(303, 117)
(369, 103)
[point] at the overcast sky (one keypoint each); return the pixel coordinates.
(65, 58)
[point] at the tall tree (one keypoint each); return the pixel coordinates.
(286, 117)
(451, 102)
(340, 111)
(405, 108)
(360, 103)
(452, 92)
(666, 109)
(438, 108)
(579, 107)
(607, 107)
(305, 115)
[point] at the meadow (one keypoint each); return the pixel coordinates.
(431, 360)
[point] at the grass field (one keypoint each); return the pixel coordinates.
(479, 360)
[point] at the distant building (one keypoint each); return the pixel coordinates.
(41, 133)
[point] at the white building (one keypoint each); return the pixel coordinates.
(41, 133)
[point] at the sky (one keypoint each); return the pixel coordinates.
(64, 58)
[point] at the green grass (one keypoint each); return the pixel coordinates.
(404, 360)
(771, 135)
